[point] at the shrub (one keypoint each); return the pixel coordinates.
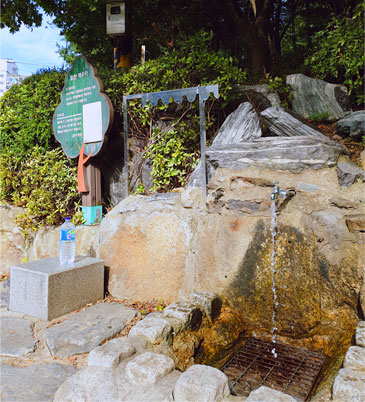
(191, 62)
(43, 182)
(339, 53)
(27, 112)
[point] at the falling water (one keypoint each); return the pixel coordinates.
(275, 303)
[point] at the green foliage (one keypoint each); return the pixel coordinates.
(43, 182)
(172, 158)
(339, 53)
(27, 111)
(317, 118)
(190, 63)
(278, 85)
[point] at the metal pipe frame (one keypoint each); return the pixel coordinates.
(177, 95)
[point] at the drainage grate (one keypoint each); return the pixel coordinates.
(294, 371)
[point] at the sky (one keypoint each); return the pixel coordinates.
(32, 49)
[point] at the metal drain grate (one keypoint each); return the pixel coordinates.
(294, 371)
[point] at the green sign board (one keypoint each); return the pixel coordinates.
(84, 116)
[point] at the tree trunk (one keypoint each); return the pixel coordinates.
(255, 32)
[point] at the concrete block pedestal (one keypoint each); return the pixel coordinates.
(46, 289)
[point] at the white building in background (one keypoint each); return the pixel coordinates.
(8, 75)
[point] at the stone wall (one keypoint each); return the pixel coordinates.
(167, 246)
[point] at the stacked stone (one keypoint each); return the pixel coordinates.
(349, 383)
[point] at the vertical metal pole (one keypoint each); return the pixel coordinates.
(202, 146)
(125, 125)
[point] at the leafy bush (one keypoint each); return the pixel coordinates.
(43, 182)
(191, 62)
(171, 159)
(27, 111)
(340, 52)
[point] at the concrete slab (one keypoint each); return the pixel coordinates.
(46, 289)
(16, 337)
(36, 383)
(86, 330)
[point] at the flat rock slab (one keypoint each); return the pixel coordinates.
(87, 329)
(36, 383)
(287, 153)
(16, 337)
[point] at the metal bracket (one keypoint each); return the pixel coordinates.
(177, 96)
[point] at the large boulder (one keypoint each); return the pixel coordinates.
(352, 125)
(12, 244)
(46, 242)
(312, 96)
(283, 124)
(243, 125)
(144, 243)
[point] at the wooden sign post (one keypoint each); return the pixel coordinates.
(81, 123)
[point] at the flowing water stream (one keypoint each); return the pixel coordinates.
(273, 229)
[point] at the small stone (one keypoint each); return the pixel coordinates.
(201, 383)
(192, 197)
(16, 337)
(348, 173)
(153, 329)
(148, 368)
(308, 187)
(265, 394)
(209, 302)
(355, 223)
(34, 383)
(349, 385)
(111, 353)
(355, 358)
(360, 334)
(362, 158)
(86, 330)
(184, 315)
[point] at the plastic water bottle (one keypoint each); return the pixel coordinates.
(67, 242)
